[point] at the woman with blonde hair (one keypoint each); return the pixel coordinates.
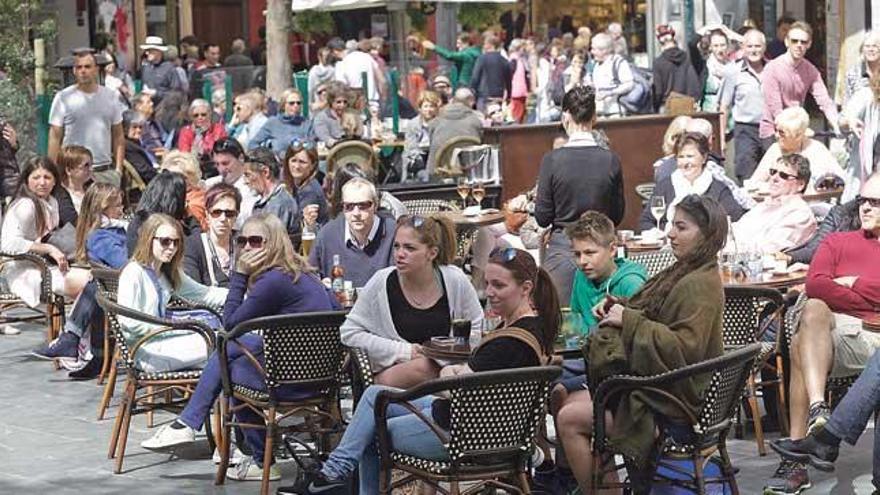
(187, 165)
(404, 305)
(276, 281)
(676, 128)
(862, 115)
(247, 119)
(417, 136)
(148, 282)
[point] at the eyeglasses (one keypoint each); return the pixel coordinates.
(798, 41)
(362, 206)
(306, 145)
(230, 214)
(197, 115)
(874, 202)
(167, 242)
(295, 102)
(254, 241)
(782, 175)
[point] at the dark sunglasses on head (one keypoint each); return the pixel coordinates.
(167, 242)
(254, 241)
(414, 221)
(782, 175)
(306, 145)
(362, 205)
(874, 202)
(504, 254)
(230, 146)
(231, 214)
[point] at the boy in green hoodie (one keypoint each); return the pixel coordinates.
(464, 59)
(600, 272)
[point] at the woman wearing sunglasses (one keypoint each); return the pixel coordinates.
(147, 283)
(525, 298)
(198, 137)
(404, 305)
(286, 127)
(276, 281)
(300, 174)
(208, 255)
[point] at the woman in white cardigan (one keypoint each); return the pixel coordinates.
(147, 284)
(31, 218)
(416, 299)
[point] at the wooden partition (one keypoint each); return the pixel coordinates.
(637, 140)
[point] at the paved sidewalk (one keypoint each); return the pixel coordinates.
(50, 442)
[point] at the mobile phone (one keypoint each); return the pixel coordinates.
(609, 301)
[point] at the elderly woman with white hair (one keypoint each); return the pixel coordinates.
(793, 136)
(247, 119)
(612, 76)
(859, 74)
(198, 137)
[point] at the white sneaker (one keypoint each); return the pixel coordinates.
(235, 455)
(168, 437)
(248, 470)
(9, 330)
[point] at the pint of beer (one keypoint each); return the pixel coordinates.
(307, 239)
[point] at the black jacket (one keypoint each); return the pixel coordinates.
(137, 156)
(491, 77)
(841, 218)
(196, 259)
(674, 72)
(717, 191)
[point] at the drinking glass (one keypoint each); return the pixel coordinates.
(478, 191)
(658, 208)
(464, 190)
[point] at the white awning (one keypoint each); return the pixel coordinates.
(300, 5)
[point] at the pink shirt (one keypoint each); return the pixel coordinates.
(776, 225)
(786, 86)
(519, 87)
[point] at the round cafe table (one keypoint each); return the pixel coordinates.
(461, 352)
(767, 279)
(634, 246)
(488, 216)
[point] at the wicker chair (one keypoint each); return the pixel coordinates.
(108, 284)
(709, 427)
(425, 207)
(156, 384)
(351, 151)
(303, 350)
(654, 261)
(443, 165)
(743, 310)
(54, 312)
(494, 418)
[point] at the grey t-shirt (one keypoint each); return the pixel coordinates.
(87, 119)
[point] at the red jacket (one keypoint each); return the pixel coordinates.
(844, 254)
(216, 132)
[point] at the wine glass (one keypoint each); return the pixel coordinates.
(478, 191)
(464, 190)
(658, 208)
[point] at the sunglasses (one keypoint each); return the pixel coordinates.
(874, 202)
(504, 254)
(295, 102)
(197, 115)
(254, 241)
(230, 214)
(306, 145)
(167, 242)
(228, 146)
(782, 175)
(796, 41)
(363, 206)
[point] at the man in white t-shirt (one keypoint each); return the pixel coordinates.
(350, 69)
(88, 114)
(608, 87)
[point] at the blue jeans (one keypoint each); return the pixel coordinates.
(852, 414)
(84, 309)
(357, 449)
(242, 372)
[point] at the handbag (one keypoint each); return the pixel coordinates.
(64, 239)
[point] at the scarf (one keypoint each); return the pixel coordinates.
(684, 188)
(111, 223)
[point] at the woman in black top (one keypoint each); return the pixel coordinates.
(208, 257)
(524, 296)
(577, 177)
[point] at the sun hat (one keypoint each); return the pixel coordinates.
(154, 43)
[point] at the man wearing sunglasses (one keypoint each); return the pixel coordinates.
(228, 156)
(362, 238)
(261, 174)
(843, 286)
(783, 220)
(787, 79)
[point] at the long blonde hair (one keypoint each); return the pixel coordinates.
(279, 250)
(143, 250)
(96, 200)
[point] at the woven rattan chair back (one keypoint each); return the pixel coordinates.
(743, 309)
(426, 207)
(654, 261)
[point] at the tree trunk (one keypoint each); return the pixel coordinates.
(278, 76)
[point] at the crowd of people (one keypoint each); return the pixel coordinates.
(187, 204)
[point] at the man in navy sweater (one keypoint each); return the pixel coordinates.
(363, 239)
(491, 77)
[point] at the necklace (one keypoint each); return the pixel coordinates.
(418, 302)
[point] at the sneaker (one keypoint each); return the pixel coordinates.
(249, 470)
(168, 437)
(545, 479)
(315, 483)
(89, 372)
(9, 330)
(818, 416)
(810, 450)
(790, 478)
(235, 455)
(65, 346)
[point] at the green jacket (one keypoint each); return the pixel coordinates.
(464, 63)
(585, 294)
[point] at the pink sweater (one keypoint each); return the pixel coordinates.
(785, 85)
(519, 84)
